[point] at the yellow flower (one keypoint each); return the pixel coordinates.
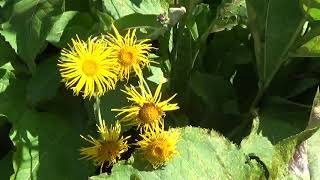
(108, 148)
(147, 109)
(85, 67)
(158, 146)
(130, 54)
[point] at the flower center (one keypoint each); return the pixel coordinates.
(158, 151)
(127, 56)
(89, 67)
(149, 113)
(109, 149)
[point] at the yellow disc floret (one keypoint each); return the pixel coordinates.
(149, 113)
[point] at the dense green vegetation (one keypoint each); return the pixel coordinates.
(245, 72)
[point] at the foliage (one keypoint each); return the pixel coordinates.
(232, 63)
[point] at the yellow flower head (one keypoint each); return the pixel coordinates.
(86, 67)
(158, 146)
(130, 54)
(107, 148)
(147, 109)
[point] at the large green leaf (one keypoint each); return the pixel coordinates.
(45, 82)
(275, 26)
(119, 9)
(42, 139)
(203, 155)
(28, 27)
(257, 11)
(42, 142)
(281, 30)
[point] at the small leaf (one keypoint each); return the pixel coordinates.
(230, 14)
(151, 26)
(6, 52)
(5, 75)
(309, 49)
(311, 8)
(157, 75)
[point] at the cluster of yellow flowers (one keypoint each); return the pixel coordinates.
(92, 68)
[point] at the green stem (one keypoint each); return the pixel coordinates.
(98, 110)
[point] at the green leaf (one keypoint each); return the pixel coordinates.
(119, 9)
(113, 100)
(43, 141)
(258, 145)
(199, 20)
(274, 33)
(309, 49)
(222, 89)
(284, 151)
(2, 3)
(279, 113)
(151, 27)
(28, 27)
(257, 13)
(59, 25)
(5, 75)
(157, 75)
(302, 85)
(82, 24)
(281, 30)
(182, 61)
(6, 52)
(45, 82)
(230, 14)
(311, 8)
(6, 169)
(203, 155)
